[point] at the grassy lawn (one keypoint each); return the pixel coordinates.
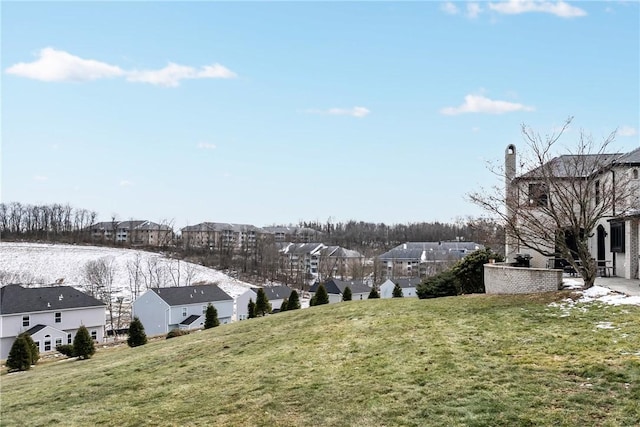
(472, 361)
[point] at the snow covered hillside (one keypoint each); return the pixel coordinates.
(50, 263)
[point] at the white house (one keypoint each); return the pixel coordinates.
(335, 289)
(276, 295)
(51, 315)
(242, 304)
(408, 286)
(163, 309)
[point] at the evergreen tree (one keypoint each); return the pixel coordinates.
(284, 306)
(263, 307)
(35, 351)
(211, 317)
(397, 291)
(83, 344)
(321, 296)
(312, 301)
(294, 301)
(20, 355)
(374, 293)
(251, 308)
(346, 295)
(137, 336)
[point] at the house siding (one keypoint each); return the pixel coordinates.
(152, 312)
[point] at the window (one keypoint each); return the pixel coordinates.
(38, 345)
(58, 341)
(617, 237)
(538, 195)
(94, 335)
(58, 317)
(204, 309)
(635, 174)
(184, 311)
(47, 345)
(69, 339)
(25, 320)
(597, 192)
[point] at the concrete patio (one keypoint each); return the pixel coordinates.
(618, 284)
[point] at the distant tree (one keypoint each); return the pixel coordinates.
(284, 305)
(251, 308)
(374, 293)
(35, 351)
(346, 295)
(20, 355)
(294, 301)
(321, 297)
(263, 306)
(211, 317)
(137, 336)
(397, 291)
(83, 345)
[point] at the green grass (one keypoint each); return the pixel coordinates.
(472, 361)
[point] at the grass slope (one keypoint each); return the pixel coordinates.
(476, 360)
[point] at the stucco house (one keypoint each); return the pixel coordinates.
(408, 285)
(163, 309)
(335, 289)
(51, 315)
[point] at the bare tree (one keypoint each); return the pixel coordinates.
(136, 275)
(99, 278)
(554, 207)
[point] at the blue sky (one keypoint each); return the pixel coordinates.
(275, 112)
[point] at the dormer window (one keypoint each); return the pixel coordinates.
(538, 195)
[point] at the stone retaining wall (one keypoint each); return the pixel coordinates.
(502, 278)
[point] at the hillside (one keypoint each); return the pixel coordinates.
(472, 360)
(50, 263)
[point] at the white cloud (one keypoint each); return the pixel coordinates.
(449, 8)
(206, 146)
(172, 74)
(40, 178)
(482, 104)
(473, 10)
(59, 66)
(353, 112)
(125, 183)
(627, 131)
(558, 8)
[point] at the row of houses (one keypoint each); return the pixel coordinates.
(52, 315)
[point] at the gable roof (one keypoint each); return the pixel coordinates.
(572, 166)
(191, 294)
(631, 158)
(17, 299)
(408, 282)
(222, 226)
(337, 287)
(277, 292)
(430, 251)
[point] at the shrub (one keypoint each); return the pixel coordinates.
(211, 317)
(397, 291)
(440, 285)
(321, 296)
(83, 344)
(347, 295)
(66, 349)
(137, 336)
(251, 308)
(262, 303)
(176, 333)
(469, 271)
(33, 348)
(374, 293)
(283, 306)
(294, 301)
(20, 355)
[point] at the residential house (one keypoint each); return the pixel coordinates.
(336, 261)
(300, 261)
(276, 295)
(422, 259)
(407, 284)
(51, 315)
(614, 242)
(163, 309)
(293, 234)
(335, 289)
(151, 234)
(242, 303)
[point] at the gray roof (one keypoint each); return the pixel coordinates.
(410, 282)
(300, 248)
(222, 226)
(18, 299)
(340, 252)
(191, 294)
(631, 158)
(337, 287)
(148, 225)
(277, 292)
(572, 166)
(189, 320)
(430, 251)
(35, 329)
